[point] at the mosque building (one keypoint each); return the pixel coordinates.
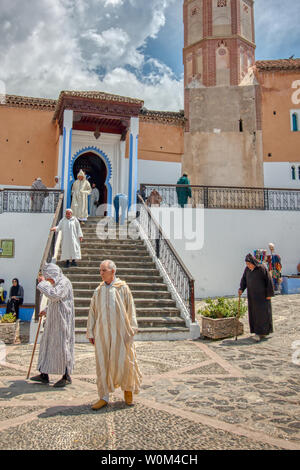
(239, 126)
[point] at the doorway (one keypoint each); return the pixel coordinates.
(95, 170)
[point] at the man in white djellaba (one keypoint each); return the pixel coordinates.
(71, 238)
(80, 191)
(56, 355)
(111, 328)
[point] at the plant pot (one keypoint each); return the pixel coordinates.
(220, 328)
(10, 332)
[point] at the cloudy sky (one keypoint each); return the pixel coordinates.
(127, 47)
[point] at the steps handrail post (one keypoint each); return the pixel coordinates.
(48, 250)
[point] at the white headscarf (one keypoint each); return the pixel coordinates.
(81, 173)
(52, 271)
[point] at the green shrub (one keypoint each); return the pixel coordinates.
(223, 308)
(9, 318)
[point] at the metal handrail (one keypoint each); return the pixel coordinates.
(161, 236)
(49, 249)
(228, 197)
(261, 188)
(29, 200)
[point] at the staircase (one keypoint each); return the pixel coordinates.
(157, 315)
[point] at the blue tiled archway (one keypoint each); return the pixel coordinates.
(108, 165)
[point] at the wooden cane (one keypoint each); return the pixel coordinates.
(237, 318)
(36, 338)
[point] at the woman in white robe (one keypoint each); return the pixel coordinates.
(56, 354)
(80, 191)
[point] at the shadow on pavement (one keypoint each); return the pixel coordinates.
(84, 410)
(22, 387)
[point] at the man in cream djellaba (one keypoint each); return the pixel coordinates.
(111, 328)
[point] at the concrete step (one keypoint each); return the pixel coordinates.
(113, 244)
(115, 257)
(95, 245)
(141, 294)
(94, 249)
(128, 278)
(140, 312)
(91, 286)
(167, 333)
(121, 264)
(121, 271)
(139, 303)
(144, 322)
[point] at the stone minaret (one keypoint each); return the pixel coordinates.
(223, 138)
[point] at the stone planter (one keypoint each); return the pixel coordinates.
(10, 332)
(219, 328)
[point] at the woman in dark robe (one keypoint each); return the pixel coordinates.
(16, 296)
(258, 282)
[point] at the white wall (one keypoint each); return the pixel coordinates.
(279, 175)
(229, 235)
(154, 172)
(30, 232)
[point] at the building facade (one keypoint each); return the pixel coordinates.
(240, 126)
(114, 139)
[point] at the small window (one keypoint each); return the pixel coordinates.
(295, 122)
(293, 173)
(299, 172)
(241, 125)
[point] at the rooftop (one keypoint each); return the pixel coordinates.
(280, 64)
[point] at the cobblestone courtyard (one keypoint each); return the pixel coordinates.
(196, 395)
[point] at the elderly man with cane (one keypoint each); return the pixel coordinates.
(56, 355)
(111, 328)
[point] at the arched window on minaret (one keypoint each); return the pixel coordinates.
(295, 122)
(293, 173)
(299, 172)
(222, 65)
(221, 20)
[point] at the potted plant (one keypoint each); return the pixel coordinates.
(219, 318)
(9, 328)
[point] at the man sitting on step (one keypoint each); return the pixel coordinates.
(71, 238)
(111, 328)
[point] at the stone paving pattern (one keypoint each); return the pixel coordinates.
(199, 394)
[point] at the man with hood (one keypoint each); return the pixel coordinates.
(80, 191)
(71, 238)
(183, 193)
(111, 328)
(56, 355)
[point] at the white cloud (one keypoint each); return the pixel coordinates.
(51, 45)
(113, 3)
(277, 28)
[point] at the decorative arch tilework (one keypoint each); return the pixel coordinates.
(108, 164)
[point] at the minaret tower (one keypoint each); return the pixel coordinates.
(222, 97)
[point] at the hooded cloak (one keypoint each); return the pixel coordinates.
(81, 189)
(56, 353)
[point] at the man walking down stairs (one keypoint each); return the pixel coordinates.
(157, 315)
